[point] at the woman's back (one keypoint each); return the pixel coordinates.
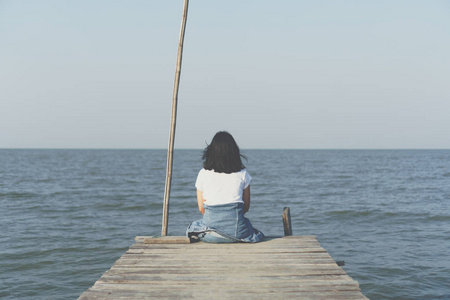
(222, 188)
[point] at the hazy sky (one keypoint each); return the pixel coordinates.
(275, 74)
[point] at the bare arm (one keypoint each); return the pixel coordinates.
(246, 198)
(200, 201)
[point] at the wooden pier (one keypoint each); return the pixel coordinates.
(290, 267)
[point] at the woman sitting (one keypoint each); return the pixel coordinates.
(223, 195)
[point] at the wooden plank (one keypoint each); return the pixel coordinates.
(307, 248)
(183, 294)
(266, 281)
(267, 239)
(226, 288)
(268, 260)
(188, 263)
(163, 240)
(193, 255)
(168, 250)
(278, 268)
(200, 271)
(187, 272)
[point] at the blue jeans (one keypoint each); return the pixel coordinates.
(224, 223)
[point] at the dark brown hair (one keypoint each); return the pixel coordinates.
(223, 155)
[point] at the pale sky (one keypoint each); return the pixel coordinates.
(275, 74)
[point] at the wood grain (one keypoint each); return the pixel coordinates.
(290, 267)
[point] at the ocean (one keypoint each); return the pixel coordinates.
(67, 215)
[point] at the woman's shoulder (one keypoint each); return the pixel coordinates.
(205, 172)
(243, 171)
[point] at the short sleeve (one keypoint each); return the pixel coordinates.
(199, 181)
(247, 179)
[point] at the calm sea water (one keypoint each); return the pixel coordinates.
(67, 215)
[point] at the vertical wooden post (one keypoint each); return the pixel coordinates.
(287, 221)
(165, 220)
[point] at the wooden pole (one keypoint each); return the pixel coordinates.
(165, 220)
(287, 221)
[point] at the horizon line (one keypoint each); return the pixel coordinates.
(76, 148)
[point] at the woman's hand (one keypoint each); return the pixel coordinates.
(200, 201)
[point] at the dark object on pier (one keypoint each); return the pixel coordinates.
(287, 221)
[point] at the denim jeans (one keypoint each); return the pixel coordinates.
(224, 223)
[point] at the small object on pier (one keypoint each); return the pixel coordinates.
(340, 263)
(287, 221)
(163, 239)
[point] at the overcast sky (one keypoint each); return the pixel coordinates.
(275, 74)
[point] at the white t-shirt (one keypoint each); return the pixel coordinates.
(222, 188)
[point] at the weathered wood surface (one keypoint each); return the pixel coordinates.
(291, 267)
(163, 240)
